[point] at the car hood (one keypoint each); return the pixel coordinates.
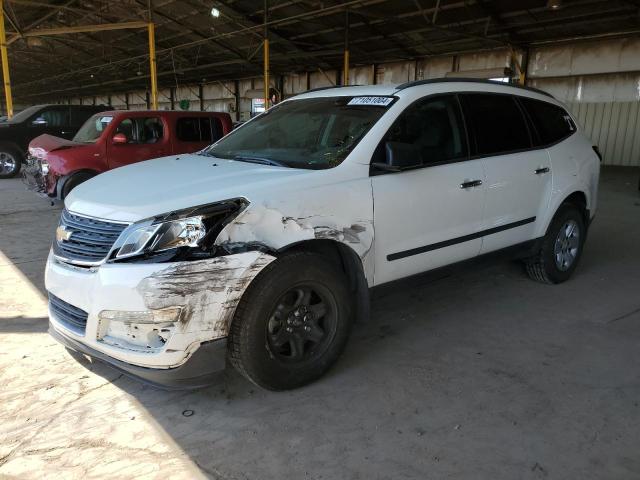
(154, 187)
(46, 143)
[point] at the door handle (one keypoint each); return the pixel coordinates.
(540, 171)
(471, 183)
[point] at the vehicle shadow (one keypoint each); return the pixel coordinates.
(21, 324)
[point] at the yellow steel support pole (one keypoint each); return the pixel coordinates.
(346, 67)
(5, 63)
(152, 66)
(266, 73)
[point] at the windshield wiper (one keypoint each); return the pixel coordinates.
(259, 160)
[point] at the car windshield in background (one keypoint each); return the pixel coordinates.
(24, 114)
(312, 133)
(92, 129)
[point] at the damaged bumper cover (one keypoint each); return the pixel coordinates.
(33, 176)
(158, 321)
(203, 368)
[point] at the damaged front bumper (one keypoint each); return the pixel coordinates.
(203, 368)
(37, 178)
(161, 322)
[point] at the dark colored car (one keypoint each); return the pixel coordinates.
(16, 133)
(113, 139)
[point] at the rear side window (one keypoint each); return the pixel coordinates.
(552, 123)
(198, 129)
(496, 124)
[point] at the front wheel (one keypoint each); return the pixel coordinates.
(292, 323)
(561, 247)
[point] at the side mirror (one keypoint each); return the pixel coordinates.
(39, 122)
(400, 156)
(119, 139)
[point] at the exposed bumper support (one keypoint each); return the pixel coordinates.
(203, 368)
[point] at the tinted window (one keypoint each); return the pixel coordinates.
(198, 129)
(141, 130)
(496, 124)
(55, 117)
(188, 129)
(433, 127)
(551, 122)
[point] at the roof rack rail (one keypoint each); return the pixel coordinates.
(318, 89)
(469, 80)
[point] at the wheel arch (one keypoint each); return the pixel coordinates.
(13, 145)
(62, 181)
(348, 261)
(575, 196)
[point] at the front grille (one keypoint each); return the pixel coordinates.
(88, 239)
(72, 317)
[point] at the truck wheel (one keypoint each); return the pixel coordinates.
(73, 181)
(10, 161)
(561, 247)
(292, 323)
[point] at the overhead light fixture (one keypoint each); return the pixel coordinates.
(215, 13)
(554, 4)
(34, 42)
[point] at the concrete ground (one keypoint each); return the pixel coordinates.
(480, 375)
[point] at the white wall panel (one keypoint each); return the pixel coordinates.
(585, 58)
(614, 127)
(393, 73)
(326, 78)
(435, 67)
(484, 60)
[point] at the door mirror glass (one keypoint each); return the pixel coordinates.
(119, 139)
(39, 122)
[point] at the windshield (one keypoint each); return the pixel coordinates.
(25, 114)
(312, 133)
(92, 129)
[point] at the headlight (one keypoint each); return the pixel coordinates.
(44, 168)
(190, 231)
(186, 232)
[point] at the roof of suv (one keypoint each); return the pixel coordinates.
(357, 90)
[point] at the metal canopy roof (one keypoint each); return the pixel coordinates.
(193, 46)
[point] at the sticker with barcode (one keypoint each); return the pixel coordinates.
(374, 101)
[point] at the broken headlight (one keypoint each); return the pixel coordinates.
(181, 235)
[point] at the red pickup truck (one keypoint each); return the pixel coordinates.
(112, 139)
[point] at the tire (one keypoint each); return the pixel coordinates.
(73, 181)
(556, 265)
(10, 161)
(278, 345)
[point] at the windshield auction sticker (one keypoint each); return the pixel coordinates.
(373, 101)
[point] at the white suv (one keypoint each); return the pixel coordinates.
(261, 249)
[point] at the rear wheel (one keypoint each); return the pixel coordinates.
(561, 247)
(10, 161)
(292, 322)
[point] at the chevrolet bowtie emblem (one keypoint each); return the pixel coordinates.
(62, 234)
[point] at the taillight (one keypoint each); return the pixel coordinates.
(597, 150)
